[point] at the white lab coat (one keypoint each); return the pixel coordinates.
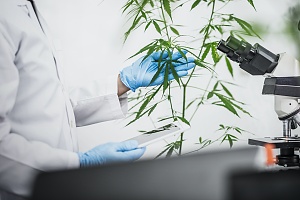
(38, 116)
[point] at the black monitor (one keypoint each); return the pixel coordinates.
(199, 176)
(274, 184)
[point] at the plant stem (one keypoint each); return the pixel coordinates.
(165, 21)
(206, 36)
(202, 98)
(183, 114)
(170, 101)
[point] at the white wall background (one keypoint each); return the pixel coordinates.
(89, 34)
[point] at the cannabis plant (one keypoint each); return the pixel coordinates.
(160, 16)
(292, 28)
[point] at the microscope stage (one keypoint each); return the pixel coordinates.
(278, 142)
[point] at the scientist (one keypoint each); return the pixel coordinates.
(38, 115)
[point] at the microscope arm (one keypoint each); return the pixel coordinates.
(284, 83)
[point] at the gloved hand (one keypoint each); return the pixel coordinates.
(111, 153)
(141, 72)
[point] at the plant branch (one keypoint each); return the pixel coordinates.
(206, 36)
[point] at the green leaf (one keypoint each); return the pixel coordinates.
(229, 66)
(240, 108)
(151, 3)
(224, 138)
(203, 29)
(152, 109)
(214, 53)
(233, 137)
(169, 153)
(184, 120)
(162, 152)
(206, 51)
(181, 52)
(227, 104)
(149, 52)
(145, 48)
(137, 117)
(195, 4)
(143, 106)
(136, 103)
(210, 95)
(155, 93)
(200, 140)
(144, 15)
(165, 43)
(216, 85)
(133, 26)
(127, 5)
(166, 78)
(144, 3)
(206, 143)
(226, 90)
(191, 103)
(229, 139)
(251, 3)
(165, 118)
(160, 68)
(238, 130)
(177, 144)
(221, 126)
(157, 27)
(246, 27)
(167, 7)
(174, 73)
(174, 30)
(202, 64)
(220, 29)
(148, 24)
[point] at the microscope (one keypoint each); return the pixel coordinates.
(282, 79)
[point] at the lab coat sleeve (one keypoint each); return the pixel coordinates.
(97, 101)
(21, 159)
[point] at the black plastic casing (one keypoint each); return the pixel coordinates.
(263, 61)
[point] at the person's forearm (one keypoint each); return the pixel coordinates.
(121, 87)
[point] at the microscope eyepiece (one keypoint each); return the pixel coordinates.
(233, 43)
(255, 59)
(222, 47)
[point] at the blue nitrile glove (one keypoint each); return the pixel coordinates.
(111, 153)
(141, 72)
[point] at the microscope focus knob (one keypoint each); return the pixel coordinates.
(293, 124)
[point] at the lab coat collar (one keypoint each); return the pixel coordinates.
(36, 16)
